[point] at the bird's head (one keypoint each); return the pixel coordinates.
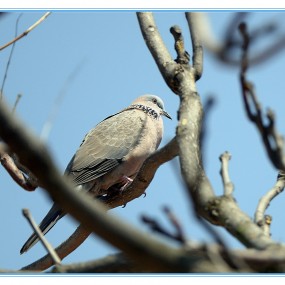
(154, 102)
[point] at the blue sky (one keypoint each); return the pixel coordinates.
(100, 62)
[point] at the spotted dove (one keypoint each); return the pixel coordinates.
(112, 153)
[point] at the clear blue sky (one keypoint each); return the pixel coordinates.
(101, 63)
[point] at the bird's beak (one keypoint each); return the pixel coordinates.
(164, 113)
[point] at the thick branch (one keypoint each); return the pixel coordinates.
(157, 48)
(135, 190)
(222, 210)
(144, 177)
(139, 246)
(272, 260)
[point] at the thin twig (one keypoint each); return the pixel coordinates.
(176, 224)
(55, 108)
(25, 33)
(156, 227)
(17, 175)
(208, 107)
(178, 235)
(228, 185)
(19, 96)
(42, 238)
(9, 59)
(63, 250)
(226, 50)
(260, 218)
(272, 140)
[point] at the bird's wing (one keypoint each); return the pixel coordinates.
(104, 147)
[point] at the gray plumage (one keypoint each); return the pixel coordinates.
(112, 153)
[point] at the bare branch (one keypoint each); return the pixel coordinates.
(157, 48)
(176, 224)
(91, 213)
(19, 96)
(201, 259)
(46, 244)
(18, 176)
(144, 177)
(182, 55)
(193, 22)
(25, 33)
(228, 185)
(272, 140)
(55, 108)
(135, 190)
(226, 49)
(155, 226)
(116, 263)
(260, 218)
(77, 238)
(208, 107)
(9, 60)
(222, 210)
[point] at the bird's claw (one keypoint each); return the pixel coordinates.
(127, 181)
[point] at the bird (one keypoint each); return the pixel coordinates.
(111, 154)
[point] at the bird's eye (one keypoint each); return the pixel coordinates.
(154, 101)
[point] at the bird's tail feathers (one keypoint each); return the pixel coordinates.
(54, 214)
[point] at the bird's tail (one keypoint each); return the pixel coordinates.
(54, 214)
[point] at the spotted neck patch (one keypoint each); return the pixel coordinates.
(148, 110)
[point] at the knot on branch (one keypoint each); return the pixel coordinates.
(183, 56)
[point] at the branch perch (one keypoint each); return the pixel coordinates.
(91, 213)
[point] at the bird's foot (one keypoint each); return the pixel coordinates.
(127, 181)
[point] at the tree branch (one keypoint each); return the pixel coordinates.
(144, 177)
(228, 185)
(91, 213)
(226, 50)
(201, 259)
(155, 226)
(135, 190)
(166, 65)
(192, 19)
(63, 250)
(260, 218)
(46, 244)
(272, 140)
(222, 210)
(26, 182)
(25, 33)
